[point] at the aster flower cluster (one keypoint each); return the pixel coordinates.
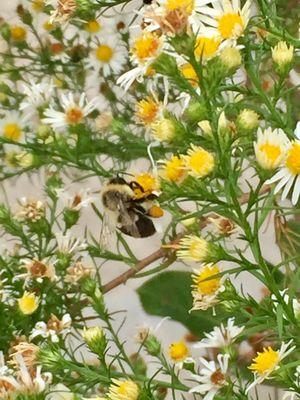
(158, 141)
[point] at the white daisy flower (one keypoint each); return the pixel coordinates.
(270, 148)
(73, 112)
(68, 244)
(13, 125)
(227, 18)
(289, 173)
(267, 361)
(37, 95)
(108, 56)
(53, 328)
(221, 336)
(145, 49)
(212, 378)
(75, 201)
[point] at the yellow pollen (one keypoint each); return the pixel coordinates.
(293, 159)
(18, 33)
(205, 285)
(265, 361)
(104, 53)
(271, 151)
(178, 351)
(93, 26)
(206, 47)
(190, 74)
(12, 131)
(187, 5)
(146, 46)
(230, 25)
(74, 115)
(156, 211)
(147, 110)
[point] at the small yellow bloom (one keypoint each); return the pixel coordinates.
(12, 131)
(248, 119)
(173, 170)
(146, 46)
(92, 333)
(206, 47)
(265, 361)
(48, 26)
(28, 303)
(204, 283)
(199, 162)
(178, 351)
(230, 25)
(147, 110)
(18, 33)
(104, 53)
(231, 57)
(193, 248)
(92, 26)
(292, 161)
(123, 390)
(282, 54)
(148, 183)
(163, 130)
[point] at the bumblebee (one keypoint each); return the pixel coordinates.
(126, 211)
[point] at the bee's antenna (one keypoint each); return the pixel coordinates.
(153, 163)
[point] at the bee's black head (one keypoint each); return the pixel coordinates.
(118, 181)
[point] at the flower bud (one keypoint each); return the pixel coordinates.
(95, 338)
(231, 58)
(163, 130)
(205, 127)
(282, 55)
(152, 345)
(248, 120)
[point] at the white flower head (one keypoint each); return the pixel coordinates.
(36, 95)
(221, 336)
(68, 244)
(74, 111)
(211, 378)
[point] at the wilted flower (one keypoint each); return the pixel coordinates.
(38, 270)
(53, 328)
(76, 272)
(31, 210)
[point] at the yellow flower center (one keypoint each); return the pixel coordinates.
(190, 74)
(12, 132)
(28, 303)
(48, 26)
(199, 161)
(38, 5)
(126, 390)
(18, 33)
(104, 53)
(271, 151)
(93, 26)
(146, 46)
(146, 110)
(265, 361)
(293, 159)
(206, 47)
(148, 185)
(187, 5)
(74, 115)
(230, 25)
(178, 351)
(204, 284)
(174, 169)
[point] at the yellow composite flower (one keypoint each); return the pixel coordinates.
(206, 47)
(147, 110)
(163, 129)
(148, 183)
(189, 73)
(270, 148)
(199, 162)
(28, 303)
(18, 33)
(173, 169)
(282, 54)
(123, 390)
(193, 248)
(146, 46)
(178, 351)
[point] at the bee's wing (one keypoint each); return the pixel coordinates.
(108, 229)
(127, 221)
